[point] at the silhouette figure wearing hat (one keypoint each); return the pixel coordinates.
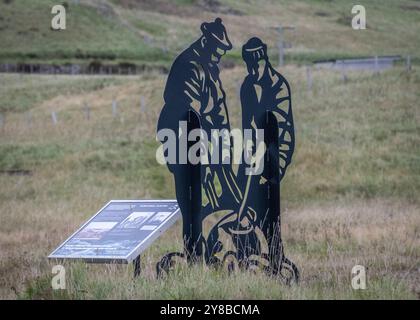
(264, 89)
(194, 84)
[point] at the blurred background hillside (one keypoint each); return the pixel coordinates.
(152, 32)
(71, 142)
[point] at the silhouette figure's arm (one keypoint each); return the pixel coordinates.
(250, 105)
(283, 112)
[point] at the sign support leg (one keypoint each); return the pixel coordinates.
(137, 266)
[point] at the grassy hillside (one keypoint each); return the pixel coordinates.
(153, 32)
(94, 32)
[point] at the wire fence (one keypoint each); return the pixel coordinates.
(374, 64)
(86, 110)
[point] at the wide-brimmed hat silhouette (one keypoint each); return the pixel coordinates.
(216, 32)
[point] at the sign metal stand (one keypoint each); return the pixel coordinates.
(137, 266)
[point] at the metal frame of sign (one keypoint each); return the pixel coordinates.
(174, 216)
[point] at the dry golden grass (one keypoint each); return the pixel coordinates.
(350, 196)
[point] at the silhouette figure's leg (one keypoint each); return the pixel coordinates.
(272, 230)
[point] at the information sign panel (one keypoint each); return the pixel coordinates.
(120, 231)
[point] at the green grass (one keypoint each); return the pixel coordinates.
(16, 157)
(27, 92)
(115, 32)
(199, 283)
(90, 34)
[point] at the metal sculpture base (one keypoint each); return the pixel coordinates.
(197, 248)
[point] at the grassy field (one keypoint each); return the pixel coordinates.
(350, 196)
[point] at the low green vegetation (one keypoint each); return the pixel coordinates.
(26, 92)
(153, 32)
(93, 32)
(200, 283)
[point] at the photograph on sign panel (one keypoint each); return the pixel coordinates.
(135, 220)
(95, 230)
(159, 217)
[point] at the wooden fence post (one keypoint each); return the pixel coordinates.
(408, 63)
(309, 78)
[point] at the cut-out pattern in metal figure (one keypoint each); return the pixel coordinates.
(249, 204)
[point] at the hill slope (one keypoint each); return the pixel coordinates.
(148, 31)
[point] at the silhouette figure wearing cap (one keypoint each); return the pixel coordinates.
(194, 84)
(264, 89)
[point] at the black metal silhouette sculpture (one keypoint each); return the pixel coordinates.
(249, 201)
